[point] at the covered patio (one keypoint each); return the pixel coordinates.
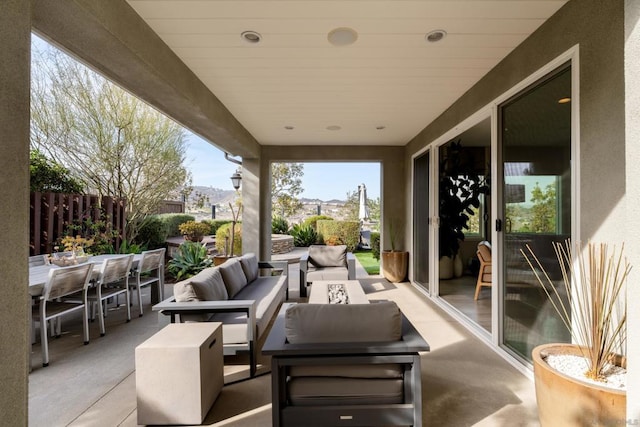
(502, 48)
(463, 381)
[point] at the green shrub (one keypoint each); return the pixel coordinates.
(173, 222)
(194, 230)
(152, 232)
(279, 225)
(225, 231)
(214, 224)
(313, 220)
(375, 245)
(348, 232)
(303, 235)
(190, 260)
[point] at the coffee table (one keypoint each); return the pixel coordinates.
(320, 291)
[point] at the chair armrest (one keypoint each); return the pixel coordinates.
(170, 307)
(351, 266)
(304, 262)
(283, 266)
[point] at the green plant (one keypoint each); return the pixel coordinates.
(173, 221)
(313, 220)
(279, 225)
(333, 241)
(347, 231)
(223, 239)
(152, 232)
(190, 259)
(597, 299)
(194, 230)
(99, 232)
(460, 186)
(303, 235)
(375, 245)
(214, 224)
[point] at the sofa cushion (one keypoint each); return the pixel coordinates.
(322, 323)
(233, 276)
(329, 273)
(268, 293)
(183, 292)
(328, 256)
(314, 391)
(249, 264)
(209, 286)
(369, 370)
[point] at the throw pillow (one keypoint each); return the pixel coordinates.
(209, 286)
(249, 264)
(233, 276)
(184, 292)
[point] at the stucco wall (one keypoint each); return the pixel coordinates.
(392, 189)
(15, 33)
(632, 100)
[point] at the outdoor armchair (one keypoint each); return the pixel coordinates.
(326, 263)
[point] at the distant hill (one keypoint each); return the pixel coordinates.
(216, 196)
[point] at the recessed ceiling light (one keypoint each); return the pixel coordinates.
(251, 37)
(289, 127)
(333, 127)
(564, 100)
(435, 36)
(380, 127)
(342, 36)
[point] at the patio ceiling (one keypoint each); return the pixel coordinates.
(390, 77)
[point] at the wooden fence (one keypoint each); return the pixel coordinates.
(52, 213)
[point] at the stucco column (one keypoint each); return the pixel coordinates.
(15, 62)
(251, 201)
(632, 196)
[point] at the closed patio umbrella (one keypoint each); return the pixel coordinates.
(363, 211)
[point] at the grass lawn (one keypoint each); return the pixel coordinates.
(367, 260)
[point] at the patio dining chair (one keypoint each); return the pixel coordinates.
(150, 270)
(37, 260)
(484, 275)
(112, 281)
(62, 282)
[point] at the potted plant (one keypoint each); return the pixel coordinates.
(193, 230)
(394, 262)
(460, 187)
(594, 312)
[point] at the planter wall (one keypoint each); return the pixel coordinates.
(566, 401)
(395, 265)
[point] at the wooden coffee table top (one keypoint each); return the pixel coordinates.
(319, 294)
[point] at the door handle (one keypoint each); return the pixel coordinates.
(498, 225)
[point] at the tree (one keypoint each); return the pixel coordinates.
(286, 185)
(543, 211)
(49, 176)
(115, 143)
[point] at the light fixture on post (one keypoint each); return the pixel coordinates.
(236, 178)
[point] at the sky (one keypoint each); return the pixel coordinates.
(324, 181)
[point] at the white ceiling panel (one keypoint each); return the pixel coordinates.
(390, 76)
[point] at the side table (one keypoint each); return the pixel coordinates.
(179, 373)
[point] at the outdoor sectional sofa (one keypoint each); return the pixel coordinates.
(235, 294)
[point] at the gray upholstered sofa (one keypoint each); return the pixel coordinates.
(326, 263)
(235, 294)
(355, 365)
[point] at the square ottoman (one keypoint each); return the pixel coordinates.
(179, 373)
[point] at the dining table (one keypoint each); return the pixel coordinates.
(39, 275)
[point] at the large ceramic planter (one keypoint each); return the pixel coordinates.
(395, 265)
(566, 401)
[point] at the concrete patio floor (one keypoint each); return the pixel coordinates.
(464, 382)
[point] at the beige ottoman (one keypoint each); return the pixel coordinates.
(179, 373)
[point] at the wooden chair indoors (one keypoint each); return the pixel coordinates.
(484, 275)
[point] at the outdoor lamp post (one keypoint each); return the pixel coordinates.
(236, 178)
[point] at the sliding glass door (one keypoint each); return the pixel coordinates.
(421, 226)
(535, 150)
